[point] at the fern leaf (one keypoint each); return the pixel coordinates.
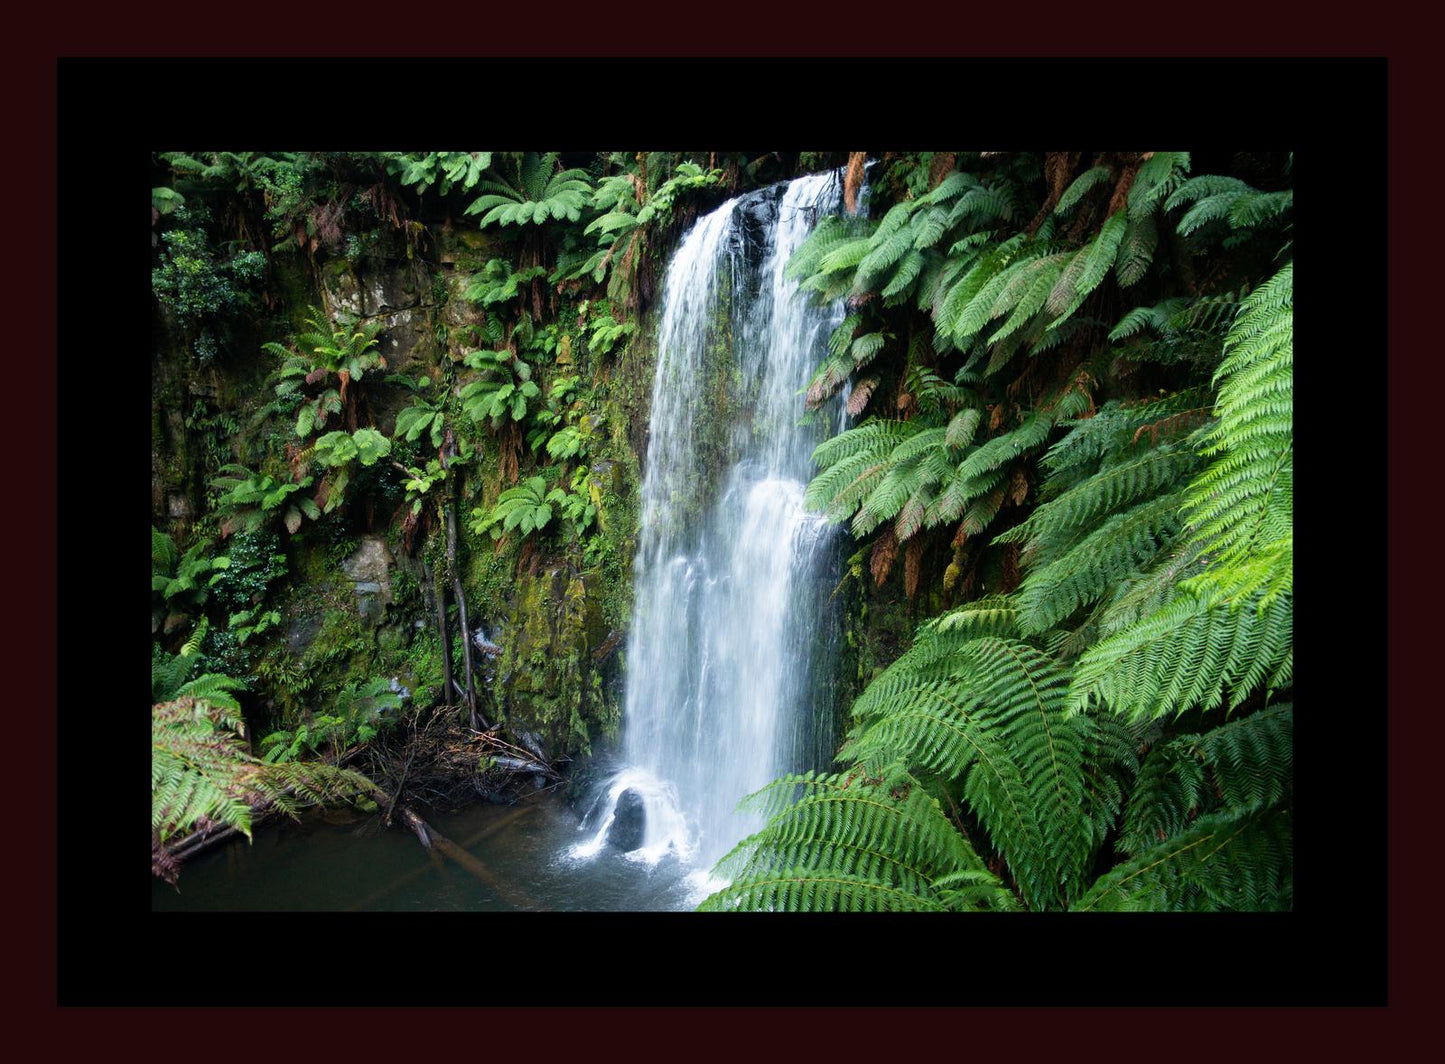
(1080, 187)
(1222, 862)
(1190, 653)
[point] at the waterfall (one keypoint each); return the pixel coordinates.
(733, 575)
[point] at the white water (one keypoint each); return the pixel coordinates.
(727, 614)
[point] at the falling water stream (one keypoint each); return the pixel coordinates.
(728, 623)
(729, 659)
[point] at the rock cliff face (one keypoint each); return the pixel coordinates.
(359, 598)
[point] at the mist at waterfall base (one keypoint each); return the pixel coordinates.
(731, 626)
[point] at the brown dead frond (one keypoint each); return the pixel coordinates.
(509, 441)
(862, 392)
(880, 562)
(1058, 169)
(853, 180)
(941, 167)
(912, 565)
(1121, 190)
(1018, 487)
(1010, 567)
(1174, 423)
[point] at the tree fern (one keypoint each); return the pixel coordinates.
(1190, 653)
(1157, 563)
(1241, 767)
(1244, 502)
(1094, 562)
(1222, 862)
(989, 710)
(537, 192)
(854, 843)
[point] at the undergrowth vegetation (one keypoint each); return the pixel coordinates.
(1091, 389)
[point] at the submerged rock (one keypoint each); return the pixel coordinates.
(629, 822)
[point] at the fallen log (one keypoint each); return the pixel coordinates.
(433, 839)
(480, 836)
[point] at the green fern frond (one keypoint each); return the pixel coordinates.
(1244, 501)
(1153, 470)
(1080, 187)
(1161, 174)
(1090, 565)
(1190, 653)
(1042, 275)
(1088, 268)
(993, 454)
(998, 718)
(1136, 250)
(848, 843)
(1222, 862)
(1261, 208)
(1241, 767)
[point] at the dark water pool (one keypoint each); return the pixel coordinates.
(519, 862)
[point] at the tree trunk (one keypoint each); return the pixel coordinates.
(471, 688)
(439, 586)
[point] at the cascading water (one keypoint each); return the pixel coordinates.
(728, 621)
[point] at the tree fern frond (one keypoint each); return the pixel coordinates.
(1093, 260)
(993, 454)
(1241, 767)
(846, 842)
(1190, 653)
(1085, 568)
(1244, 501)
(1148, 473)
(1136, 250)
(1222, 862)
(1080, 187)
(1161, 174)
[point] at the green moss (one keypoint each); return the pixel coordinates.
(343, 652)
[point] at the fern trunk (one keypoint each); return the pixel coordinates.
(440, 588)
(471, 688)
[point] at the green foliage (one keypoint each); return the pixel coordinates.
(337, 449)
(246, 623)
(256, 563)
(1240, 768)
(178, 578)
(1190, 653)
(249, 500)
(444, 169)
(604, 333)
(527, 507)
(203, 286)
(854, 843)
(504, 389)
(1243, 504)
(497, 283)
(425, 415)
(358, 713)
(536, 192)
(629, 210)
(343, 351)
(1220, 863)
(1161, 543)
(201, 775)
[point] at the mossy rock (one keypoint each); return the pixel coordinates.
(546, 676)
